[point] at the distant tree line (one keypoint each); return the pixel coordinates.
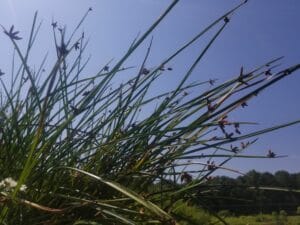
(253, 193)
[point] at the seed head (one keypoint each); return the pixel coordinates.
(106, 68)
(12, 34)
(54, 25)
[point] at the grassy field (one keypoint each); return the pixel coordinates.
(264, 220)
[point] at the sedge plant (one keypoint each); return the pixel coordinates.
(78, 150)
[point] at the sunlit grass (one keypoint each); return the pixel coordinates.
(263, 219)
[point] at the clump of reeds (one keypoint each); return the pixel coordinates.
(78, 150)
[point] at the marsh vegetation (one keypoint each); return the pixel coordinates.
(81, 149)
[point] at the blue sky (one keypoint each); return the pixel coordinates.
(258, 32)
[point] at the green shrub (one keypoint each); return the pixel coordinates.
(283, 215)
(225, 213)
(261, 218)
(189, 214)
